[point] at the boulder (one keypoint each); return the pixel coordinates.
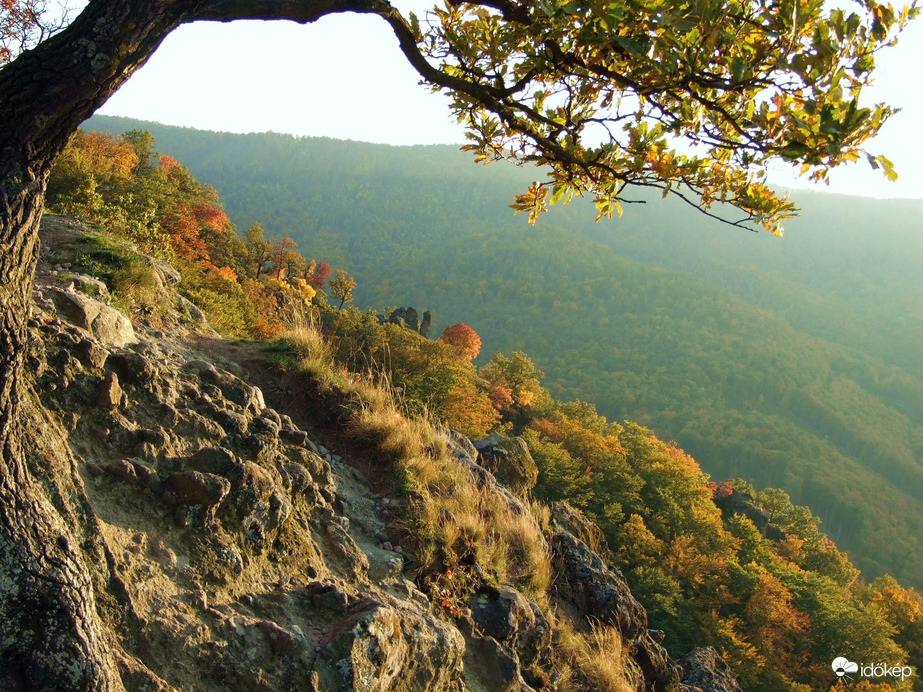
(490, 667)
(510, 462)
(90, 286)
(506, 615)
(389, 647)
(213, 460)
(107, 325)
(196, 488)
(461, 447)
(110, 392)
(132, 367)
(164, 273)
(91, 354)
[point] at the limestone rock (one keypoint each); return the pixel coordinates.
(510, 462)
(195, 488)
(593, 588)
(109, 326)
(705, 671)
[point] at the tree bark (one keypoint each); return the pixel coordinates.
(51, 634)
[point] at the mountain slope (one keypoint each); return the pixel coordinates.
(792, 363)
(227, 547)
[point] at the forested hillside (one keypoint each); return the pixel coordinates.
(711, 563)
(791, 363)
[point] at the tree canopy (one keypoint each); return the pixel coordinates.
(691, 98)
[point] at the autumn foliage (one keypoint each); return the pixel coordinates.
(463, 339)
(321, 274)
(247, 287)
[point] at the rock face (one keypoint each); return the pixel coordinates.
(228, 549)
(405, 317)
(590, 586)
(703, 669)
(508, 459)
(426, 323)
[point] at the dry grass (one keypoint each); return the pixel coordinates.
(305, 345)
(451, 520)
(604, 663)
(451, 516)
(595, 660)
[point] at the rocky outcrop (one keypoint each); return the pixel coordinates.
(104, 323)
(593, 591)
(405, 317)
(229, 532)
(507, 616)
(408, 318)
(593, 588)
(227, 549)
(508, 459)
(426, 323)
(745, 505)
(705, 671)
(566, 519)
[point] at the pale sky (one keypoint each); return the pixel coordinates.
(344, 77)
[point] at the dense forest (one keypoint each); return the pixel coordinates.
(791, 363)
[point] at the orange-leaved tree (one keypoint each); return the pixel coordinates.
(463, 339)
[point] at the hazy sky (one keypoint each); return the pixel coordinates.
(344, 77)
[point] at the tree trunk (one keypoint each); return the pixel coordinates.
(51, 634)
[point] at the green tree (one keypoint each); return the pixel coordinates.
(518, 374)
(259, 250)
(774, 501)
(142, 142)
(342, 287)
(742, 84)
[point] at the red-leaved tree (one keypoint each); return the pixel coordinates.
(318, 279)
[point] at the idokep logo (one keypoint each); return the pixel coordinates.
(842, 666)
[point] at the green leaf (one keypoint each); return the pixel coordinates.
(888, 169)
